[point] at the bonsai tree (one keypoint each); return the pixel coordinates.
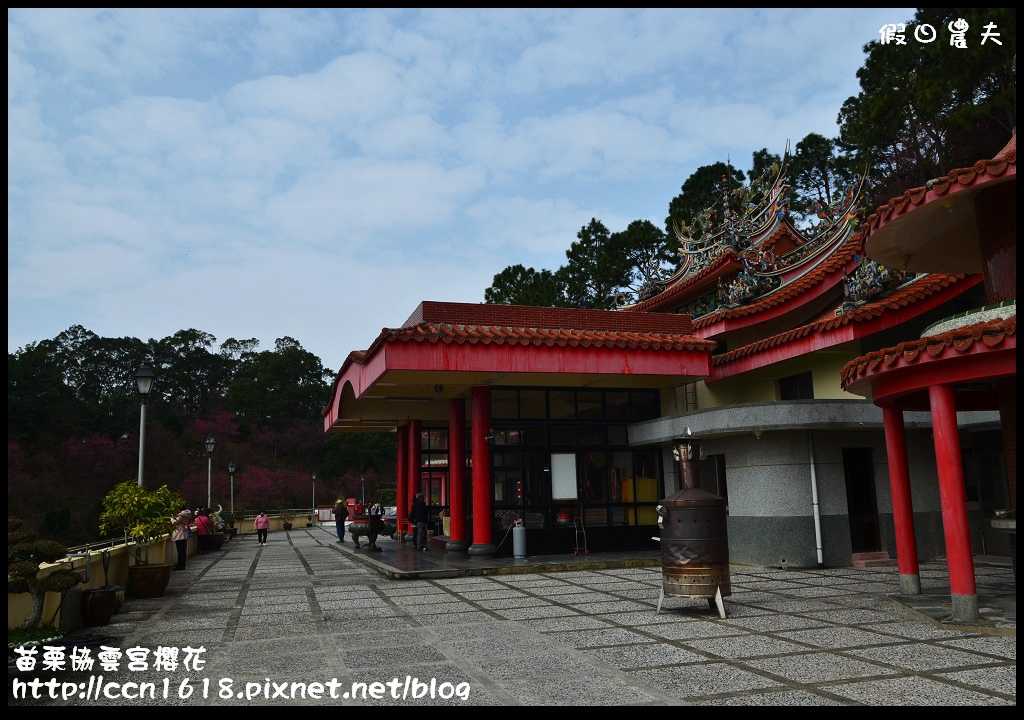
(144, 515)
(287, 516)
(25, 552)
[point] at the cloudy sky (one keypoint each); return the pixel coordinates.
(316, 174)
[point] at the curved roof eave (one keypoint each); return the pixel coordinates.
(906, 302)
(934, 228)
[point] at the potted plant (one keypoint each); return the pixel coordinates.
(230, 519)
(100, 604)
(145, 516)
(287, 516)
(25, 552)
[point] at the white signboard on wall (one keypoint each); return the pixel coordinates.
(563, 476)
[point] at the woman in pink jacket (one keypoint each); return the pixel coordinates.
(182, 529)
(262, 524)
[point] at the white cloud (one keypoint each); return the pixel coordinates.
(317, 173)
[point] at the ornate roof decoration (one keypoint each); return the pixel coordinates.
(917, 289)
(745, 248)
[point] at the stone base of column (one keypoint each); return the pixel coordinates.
(965, 607)
(457, 546)
(910, 584)
(483, 550)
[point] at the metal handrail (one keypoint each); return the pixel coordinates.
(125, 539)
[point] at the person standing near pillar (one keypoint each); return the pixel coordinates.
(418, 517)
(340, 515)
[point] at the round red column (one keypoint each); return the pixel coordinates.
(963, 590)
(902, 502)
(457, 510)
(483, 492)
(402, 481)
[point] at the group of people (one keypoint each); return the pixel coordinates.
(203, 522)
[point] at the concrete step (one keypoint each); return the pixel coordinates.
(873, 559)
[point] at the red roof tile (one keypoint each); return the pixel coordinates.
(900, 298)
(961, 177)
(958, 341)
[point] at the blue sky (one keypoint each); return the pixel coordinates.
(316, 173)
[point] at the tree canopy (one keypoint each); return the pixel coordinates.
(73, 427)
(924, 109)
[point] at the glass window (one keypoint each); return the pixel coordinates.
(504, 404)
(617, 405)
(617, 435)
(563, 405)
(535, 435)
(591, 435)
(537, 472)
(533, 404)
(593, 477)
(507, 436)
(589, 405)
(646, 405)
(562, 435)
(796, 387)
(434, 439)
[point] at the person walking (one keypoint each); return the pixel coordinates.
(340, 515)
(418, 517)
(261, 523)
(182, 530)
(204, 531)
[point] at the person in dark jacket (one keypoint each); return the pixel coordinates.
(340, 515)
(418, 517)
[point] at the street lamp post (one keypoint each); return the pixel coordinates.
(210, 443)
(362, 490)
(231, 469)
(144, 381)
(314, 497)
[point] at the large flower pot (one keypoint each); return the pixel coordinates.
(98, 606)
(217, 540)
(148, 581)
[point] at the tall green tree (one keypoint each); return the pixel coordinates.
(926, 108)
(819, 174)
(190, 377)
(598, 268)
(701, 192)
(519, 285)
(648, 253)
(277, 387)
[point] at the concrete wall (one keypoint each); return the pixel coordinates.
(770, 499)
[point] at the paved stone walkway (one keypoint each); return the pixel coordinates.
(288, 618)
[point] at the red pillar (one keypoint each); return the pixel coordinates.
(954, 503)
(457, 510)
(402, 494)
(412, 465)
(902, 502)
(483, 492)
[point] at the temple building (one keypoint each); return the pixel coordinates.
(818, 375)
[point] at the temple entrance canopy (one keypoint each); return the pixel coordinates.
(445, 349)
(588, 371)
